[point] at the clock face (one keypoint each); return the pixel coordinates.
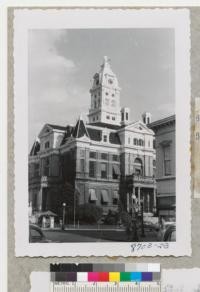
(110, 81)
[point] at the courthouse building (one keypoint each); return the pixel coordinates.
(103, 161)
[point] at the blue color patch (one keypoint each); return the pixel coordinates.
(136, 276)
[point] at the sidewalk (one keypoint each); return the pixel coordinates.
(71, 227)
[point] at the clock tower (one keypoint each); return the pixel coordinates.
(105, 97)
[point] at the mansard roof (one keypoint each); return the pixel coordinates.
(35, 148)
(114, 138)
(95, 134)
(162, 122)
(80, 129)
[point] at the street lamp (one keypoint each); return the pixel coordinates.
(134, 217)
(63, 221)
(142, 217)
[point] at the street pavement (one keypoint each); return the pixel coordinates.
(95, 235)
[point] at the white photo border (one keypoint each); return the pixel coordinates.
(179, 19)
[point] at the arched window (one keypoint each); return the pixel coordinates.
(135, 141)
(141, 142)
(138, 166)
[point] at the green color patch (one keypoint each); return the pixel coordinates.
(125, 277)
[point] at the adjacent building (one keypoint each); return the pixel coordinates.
(165, 140)
(104, 161)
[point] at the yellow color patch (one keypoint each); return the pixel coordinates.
(114, 277)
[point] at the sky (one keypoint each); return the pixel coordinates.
(62, 64)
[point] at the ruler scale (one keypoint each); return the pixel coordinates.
(100, 287)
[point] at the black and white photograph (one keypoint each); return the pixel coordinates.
(102, 135)
(103, 152)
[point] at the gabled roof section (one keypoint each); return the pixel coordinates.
(57, 127)
(47, 128)
(138, 126)
(35, 148)
(80, 129)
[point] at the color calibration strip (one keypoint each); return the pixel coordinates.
(105, 276)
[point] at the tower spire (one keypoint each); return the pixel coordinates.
(105, 96)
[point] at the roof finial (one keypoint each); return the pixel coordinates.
(105, 59)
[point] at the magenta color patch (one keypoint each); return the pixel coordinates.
(93, 277)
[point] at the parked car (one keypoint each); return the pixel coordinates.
(36, 234)
(170, 233)
(164, 225)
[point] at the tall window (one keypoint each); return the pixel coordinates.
(92, 168)
(104, 156)
(36, 169)
(46, 166)
(103, 170)
(135, 141)
(138, 168)
(46, 145)
(115, 157)
(82, 165)
(167, 160)
(93, 154)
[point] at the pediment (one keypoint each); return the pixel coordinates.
(139, 126)
(45, 130)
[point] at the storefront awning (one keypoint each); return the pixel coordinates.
(104, 196)
(93, 196)
(116, 169)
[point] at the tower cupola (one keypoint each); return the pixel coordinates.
(105, 96)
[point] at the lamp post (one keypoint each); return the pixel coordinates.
(142, 218)
(134, 217)
(74, 209)
(63, 221)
